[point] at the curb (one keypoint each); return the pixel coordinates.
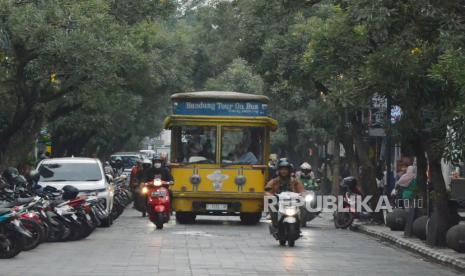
(413, 247)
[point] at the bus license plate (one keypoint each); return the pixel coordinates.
(217, 207)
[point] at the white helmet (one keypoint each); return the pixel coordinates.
(146, 162)
(305, 166)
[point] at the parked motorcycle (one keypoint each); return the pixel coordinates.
(158, 202)
(12, 234)
(350, 193)
(286, 225)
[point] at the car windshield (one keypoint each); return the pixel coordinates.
(194, 144)
(242, 145)
(51, 172)
(129, 161)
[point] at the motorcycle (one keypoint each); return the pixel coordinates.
(307, 211)
(12, 234)
(158, 202)
(140, 199)
(287, 219)
(350, 193)
(307, 214)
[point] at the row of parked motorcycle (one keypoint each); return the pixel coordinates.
(30, 216)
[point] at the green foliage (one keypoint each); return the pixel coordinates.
(237, 77)
(96, 72)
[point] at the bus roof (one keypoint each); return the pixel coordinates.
(219, 95)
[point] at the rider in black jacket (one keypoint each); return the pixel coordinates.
(157, 170)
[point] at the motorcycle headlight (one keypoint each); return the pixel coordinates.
(145, 190)
(309, 197)
(157, 182)
(290, 211)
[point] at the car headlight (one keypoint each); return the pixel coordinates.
(290, 211)
(309, 197)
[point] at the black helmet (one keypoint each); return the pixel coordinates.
(156, 158)
(19, 181)
(284, 163)
(69, 192)
(10, 174)
(349, 182)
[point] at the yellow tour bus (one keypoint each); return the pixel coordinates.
(219, 147)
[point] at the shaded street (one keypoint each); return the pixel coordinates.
(132, 246)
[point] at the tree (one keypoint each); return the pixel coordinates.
(237, 77)
(85, 64)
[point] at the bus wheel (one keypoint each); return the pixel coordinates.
(185, 217)
(250, 218)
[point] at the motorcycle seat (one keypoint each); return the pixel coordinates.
(6, 204)
(24, 200)
(4, 210)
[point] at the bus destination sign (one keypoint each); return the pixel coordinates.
(220, 108)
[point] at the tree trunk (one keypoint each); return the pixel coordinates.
(442, 217)
(422, 167)
(292, 140)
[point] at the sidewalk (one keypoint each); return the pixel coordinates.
(442, 255)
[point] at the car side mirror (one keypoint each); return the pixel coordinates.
(35, 176)
(109, 178)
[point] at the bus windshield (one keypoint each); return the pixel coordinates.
(242, 145)
(194, 144)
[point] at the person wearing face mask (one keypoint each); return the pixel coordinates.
(158, 170)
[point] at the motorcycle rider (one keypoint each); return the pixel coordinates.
(146, 166)
(118, 166)
(284, 182)
(272, 163)
(157, 170)
(307, 177)
(136, 170)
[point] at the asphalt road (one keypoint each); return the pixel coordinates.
(132, 246)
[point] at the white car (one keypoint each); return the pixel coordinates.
(86, 174)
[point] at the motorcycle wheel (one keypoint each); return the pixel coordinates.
(76, 232)
(159, 221)
(11, 244)
(46, 232)
(291, 233)
(343, 220)
(88, 229)
(108, 221)
(282, 242)
(37, 233)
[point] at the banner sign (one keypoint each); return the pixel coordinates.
(220, 108)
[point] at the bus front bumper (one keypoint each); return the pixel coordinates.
(218, 203)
